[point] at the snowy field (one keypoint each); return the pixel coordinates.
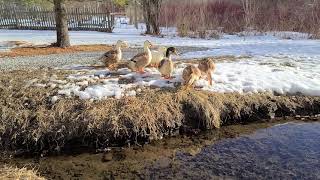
(246, 76)
(284, 63)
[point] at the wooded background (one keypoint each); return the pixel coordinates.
(193, 18)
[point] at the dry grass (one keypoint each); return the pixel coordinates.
(30, 122)
(36, 51)
(17, 174)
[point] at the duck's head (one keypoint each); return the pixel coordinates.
(147, 44)
(122, 44)
(206, 64)
(210, 62)
(171, 50)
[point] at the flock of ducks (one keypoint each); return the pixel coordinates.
(160, 59)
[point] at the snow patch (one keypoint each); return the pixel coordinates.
(54, 99)
(251, 75)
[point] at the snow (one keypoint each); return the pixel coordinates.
(278, 62)
(54, 99)
(251, 76)
(248, 75)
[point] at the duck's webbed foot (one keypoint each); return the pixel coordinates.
(141, 71)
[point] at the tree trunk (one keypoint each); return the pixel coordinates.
(135, 14)
(61, 23)
(147, 15)
(151, 9)
(155, 16)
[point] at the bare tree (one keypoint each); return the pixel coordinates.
(151, 10)
(146, 14)
(63, 39)
(155, 16)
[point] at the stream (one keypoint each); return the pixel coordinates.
(270, 150)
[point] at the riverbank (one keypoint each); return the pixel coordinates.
(32, 123)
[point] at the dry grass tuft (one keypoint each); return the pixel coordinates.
(197, 106)
(16, 173)
(36, 51)
(29, 121)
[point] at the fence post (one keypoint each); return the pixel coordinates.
(15, 17)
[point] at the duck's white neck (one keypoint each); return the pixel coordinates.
(147, 50)
(118, 48)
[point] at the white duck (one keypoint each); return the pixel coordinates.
(157, 56)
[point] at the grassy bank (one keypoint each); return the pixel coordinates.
(32, 123)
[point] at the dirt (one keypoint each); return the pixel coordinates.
(47, 50)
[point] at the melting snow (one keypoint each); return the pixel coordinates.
(252, 75)
(280, 62)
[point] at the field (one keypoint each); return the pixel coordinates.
(57, 100)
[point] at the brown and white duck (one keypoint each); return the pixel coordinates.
(112, 57)
(207, 67)
(166, 66)
(141, 60)
(190, 75)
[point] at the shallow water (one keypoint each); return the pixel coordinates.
(287, 151)
(256, 151)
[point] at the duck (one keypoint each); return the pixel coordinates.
(166, 65)
(141, 60)
(190, 75)
(113, 57)
(207, 67)
(157, 56)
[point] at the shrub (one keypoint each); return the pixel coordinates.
(284, 15)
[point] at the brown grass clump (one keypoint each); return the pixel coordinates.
(36, 51)
(16, 173)
(29, 121)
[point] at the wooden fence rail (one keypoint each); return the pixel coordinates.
(36, 18)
